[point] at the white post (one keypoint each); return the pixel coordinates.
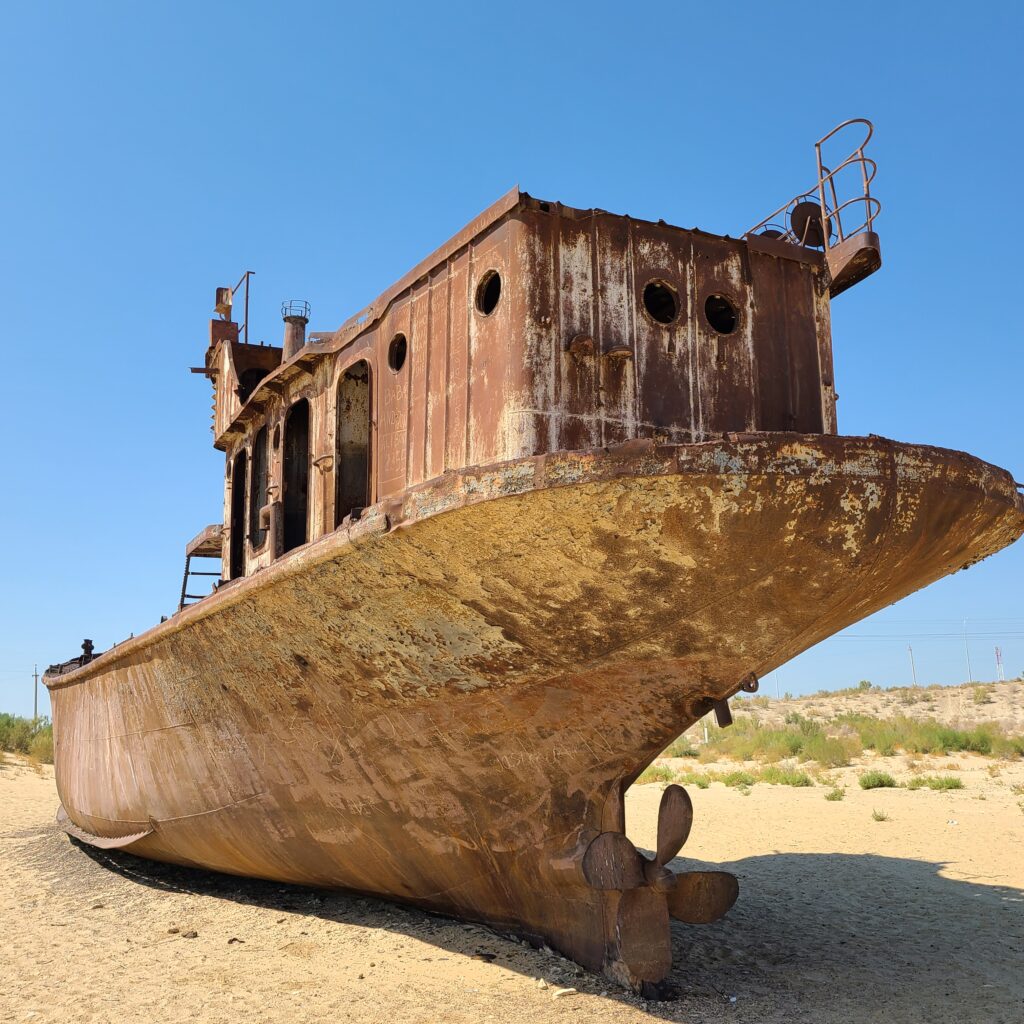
(967, 652)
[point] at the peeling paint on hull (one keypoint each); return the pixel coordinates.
(444, 702)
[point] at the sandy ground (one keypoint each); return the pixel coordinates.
(840, 918)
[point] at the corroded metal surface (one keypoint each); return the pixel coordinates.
(444, 701)
(104, 842)
(569, 358)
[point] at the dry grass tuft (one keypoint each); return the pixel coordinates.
(935, 782)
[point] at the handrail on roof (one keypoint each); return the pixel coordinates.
(829, 228)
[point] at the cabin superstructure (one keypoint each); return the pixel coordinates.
(538, 328)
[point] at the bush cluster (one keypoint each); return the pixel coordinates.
(739, 779)
(834, 744)
(877, 780)
(935, 782)
(927, 736)
(32, 737)
(806, 740)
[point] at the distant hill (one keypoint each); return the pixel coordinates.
(961, 706)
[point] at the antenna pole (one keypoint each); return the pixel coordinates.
(967, 652)
(35, 692)
(244, 279)
(247, 274)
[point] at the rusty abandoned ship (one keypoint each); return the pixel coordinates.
(562, 490)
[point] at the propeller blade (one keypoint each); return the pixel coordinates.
(675, 816)
(701, 897)
(613, 862)
(644, 939)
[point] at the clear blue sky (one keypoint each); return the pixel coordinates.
(154, 151)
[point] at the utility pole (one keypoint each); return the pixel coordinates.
(1000, 675)
(967, 651)
(913, 667)
(35, 693)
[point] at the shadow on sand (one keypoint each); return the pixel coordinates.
(815, 937)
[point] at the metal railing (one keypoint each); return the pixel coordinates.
(815, 218)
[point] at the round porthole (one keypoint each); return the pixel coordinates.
(488, 292)
(661, 302)
(721, 314)
(397, 351)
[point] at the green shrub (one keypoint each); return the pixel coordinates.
(655, 773)
(835, 793)
(830, 751)
(927, 736)
(680, 747)
(879, 816)
(15, 733)
(41, 745)
(835, 744)
(935, 782)
(32, 737)
(777, 776)
(747, 740)
(1007, 746)
(739, 778)
(689, 778)
(876, 780)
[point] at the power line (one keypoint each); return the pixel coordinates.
(904, 637)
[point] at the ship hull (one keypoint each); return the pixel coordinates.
(444, 703)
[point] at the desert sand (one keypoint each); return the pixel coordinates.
(840, 918)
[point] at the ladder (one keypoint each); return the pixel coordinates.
(206, 544)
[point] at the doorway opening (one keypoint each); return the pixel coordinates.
(258, 488)
(296, 475)
(237, 558)
(352, 442)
